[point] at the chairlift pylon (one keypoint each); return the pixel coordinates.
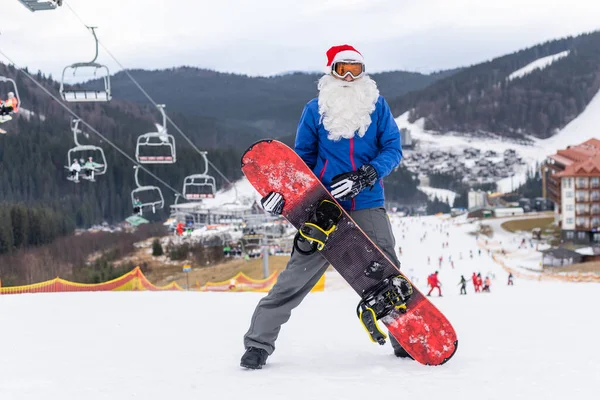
(199, 186)
(90, 173)
(83, 95)
(41, 5)
(156, 140)
(138, 205)
(4, 79)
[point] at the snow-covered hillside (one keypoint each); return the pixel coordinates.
(515, 342)
(584, 127)
(538, 64)
(441, 194)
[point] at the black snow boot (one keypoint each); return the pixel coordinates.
(254, 358)
(401, 353)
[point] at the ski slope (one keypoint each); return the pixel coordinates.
(520, 342)
(441, 194)
(538, 64)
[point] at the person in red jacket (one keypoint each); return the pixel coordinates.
(180, 227)
(474, 279)
(479, 283)
(434, 282)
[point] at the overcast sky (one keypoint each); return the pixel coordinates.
(265, 37)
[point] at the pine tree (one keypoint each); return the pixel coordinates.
(157, 249)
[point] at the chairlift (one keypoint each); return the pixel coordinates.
(156, 147)
(7, 117)
(41, 5)
(86, 95)
(199, 186)
(154, 192)
(82, 152)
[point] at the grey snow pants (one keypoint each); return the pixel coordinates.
(302, 273)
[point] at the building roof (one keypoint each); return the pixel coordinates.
(561, 253)
(589, 167)
(579, 160)
(580, 152)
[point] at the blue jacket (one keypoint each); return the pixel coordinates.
(380, 147)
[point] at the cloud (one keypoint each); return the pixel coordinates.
(271, 36)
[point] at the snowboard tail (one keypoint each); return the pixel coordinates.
(420, 328)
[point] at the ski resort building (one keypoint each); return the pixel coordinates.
(572, 182)
(199, 214)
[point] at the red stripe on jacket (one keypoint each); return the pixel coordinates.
(353, 206)
(323, 170)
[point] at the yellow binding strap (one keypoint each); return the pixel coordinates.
(320, 244)
(374, 322)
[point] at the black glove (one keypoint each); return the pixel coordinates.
(273, 203)
(348, 185)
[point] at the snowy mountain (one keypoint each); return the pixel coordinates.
(532, 92)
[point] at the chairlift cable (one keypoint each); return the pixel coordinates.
(91, 128)
(151, 100)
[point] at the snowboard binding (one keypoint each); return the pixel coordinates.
(391, 294)
(313, 234)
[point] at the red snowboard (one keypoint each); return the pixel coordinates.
(422, 330)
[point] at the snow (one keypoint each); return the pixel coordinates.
(441, 194)
(538, 64)
(519, 342)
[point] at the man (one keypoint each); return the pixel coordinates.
(434, 282)
(349, 138)
(74, 170)
(137, 206)
(463, 285)
(90, 168)
(9, 107)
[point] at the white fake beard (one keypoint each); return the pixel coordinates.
(346, 107)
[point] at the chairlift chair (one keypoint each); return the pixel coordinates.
(86, 95)
(199, 186)
(155, 191)
(79, 150)
(15, 89)
(41, 5)
(156, 140)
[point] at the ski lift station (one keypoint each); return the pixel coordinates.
(202, 213)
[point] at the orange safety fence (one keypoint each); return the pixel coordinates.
(242, 283)
(136, 281)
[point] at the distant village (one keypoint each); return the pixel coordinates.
(474, 166)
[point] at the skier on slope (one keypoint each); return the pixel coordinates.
(434, 282)
(510, 279)
(487, 284)
(348, 137)
(463, 285)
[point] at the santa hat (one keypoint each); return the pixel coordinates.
(343, 52)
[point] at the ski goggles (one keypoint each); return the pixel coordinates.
(341, 69)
